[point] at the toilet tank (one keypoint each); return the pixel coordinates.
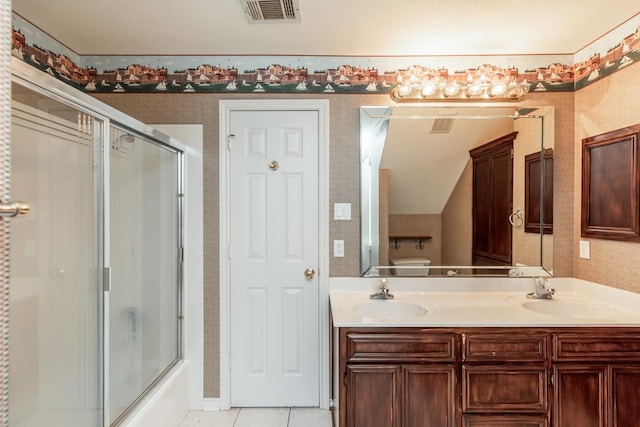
(415, 263)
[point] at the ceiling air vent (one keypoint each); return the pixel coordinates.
(263, 11)
(442, 124)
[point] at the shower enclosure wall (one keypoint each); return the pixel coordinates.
(96, 266)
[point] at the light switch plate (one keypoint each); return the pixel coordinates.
(585, 249)
(342, 211)
(338, 248)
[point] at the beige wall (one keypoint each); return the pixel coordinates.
(344, 181)
(607, 105)
(457, 224)
(416, 225)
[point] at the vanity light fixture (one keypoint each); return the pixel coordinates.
(420, 85)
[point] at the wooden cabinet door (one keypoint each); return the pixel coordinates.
(429, 396)
(625, 396)
(502, 202)
(579, 396)
(492, 201)
(373, 395)
(482, 207)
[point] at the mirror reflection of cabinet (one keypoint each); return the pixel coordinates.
(492, 201)
(409, 171)
(538, 205)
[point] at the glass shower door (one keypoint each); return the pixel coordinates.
(55, 292)
(144, 301)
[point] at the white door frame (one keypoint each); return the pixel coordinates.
(322, 107)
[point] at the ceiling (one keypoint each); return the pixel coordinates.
(426, 166)
(329, 27)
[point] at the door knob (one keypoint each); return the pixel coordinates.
(13, 209)
(309, 273)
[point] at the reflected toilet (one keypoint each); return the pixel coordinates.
(414, 263)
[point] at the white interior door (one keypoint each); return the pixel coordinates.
(274, 240)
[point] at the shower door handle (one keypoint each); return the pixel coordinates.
(13, 209)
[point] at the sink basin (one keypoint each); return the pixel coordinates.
(389, 309)
(571, 309)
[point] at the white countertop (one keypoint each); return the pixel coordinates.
(476, 302)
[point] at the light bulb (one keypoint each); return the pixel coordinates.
(404, 90)
(428, 89)
(451, 89)
(498, 89)
(474, 89)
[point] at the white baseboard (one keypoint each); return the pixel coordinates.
(211, 404)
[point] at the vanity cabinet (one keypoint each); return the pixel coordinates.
(489, 377)
(596, 379)
(398, 378)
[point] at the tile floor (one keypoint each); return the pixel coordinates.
(260, 417)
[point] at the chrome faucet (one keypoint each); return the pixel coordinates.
(543, 291)
(383, 291)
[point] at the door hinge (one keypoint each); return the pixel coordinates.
(180, 255)
(229, 251)
(106, 279)
(229, 139)
(345, 379)
(550, 378)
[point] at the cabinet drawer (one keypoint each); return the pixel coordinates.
(399, 347)
(505, 420)
(516, 388)
(596, 347)
(527, 347)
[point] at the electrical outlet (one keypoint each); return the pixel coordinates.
(338, 248)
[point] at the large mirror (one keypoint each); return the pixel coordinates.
(456, 190)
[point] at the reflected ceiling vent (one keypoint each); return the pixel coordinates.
(442, 124)
(525, 111)
(264, 11)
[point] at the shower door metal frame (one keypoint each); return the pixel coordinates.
(50, 87)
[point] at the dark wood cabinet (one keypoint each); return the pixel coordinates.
(403, 377)
(505, 346)
(489, 377)
(492, 201)
(401, 395)
(579, 395)
(538, 199)
(504, 389)
(429, 396)
(611, 185)
(596, 395)
(373, 395)
(597, 379)
(505, 374)
(624, 401)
